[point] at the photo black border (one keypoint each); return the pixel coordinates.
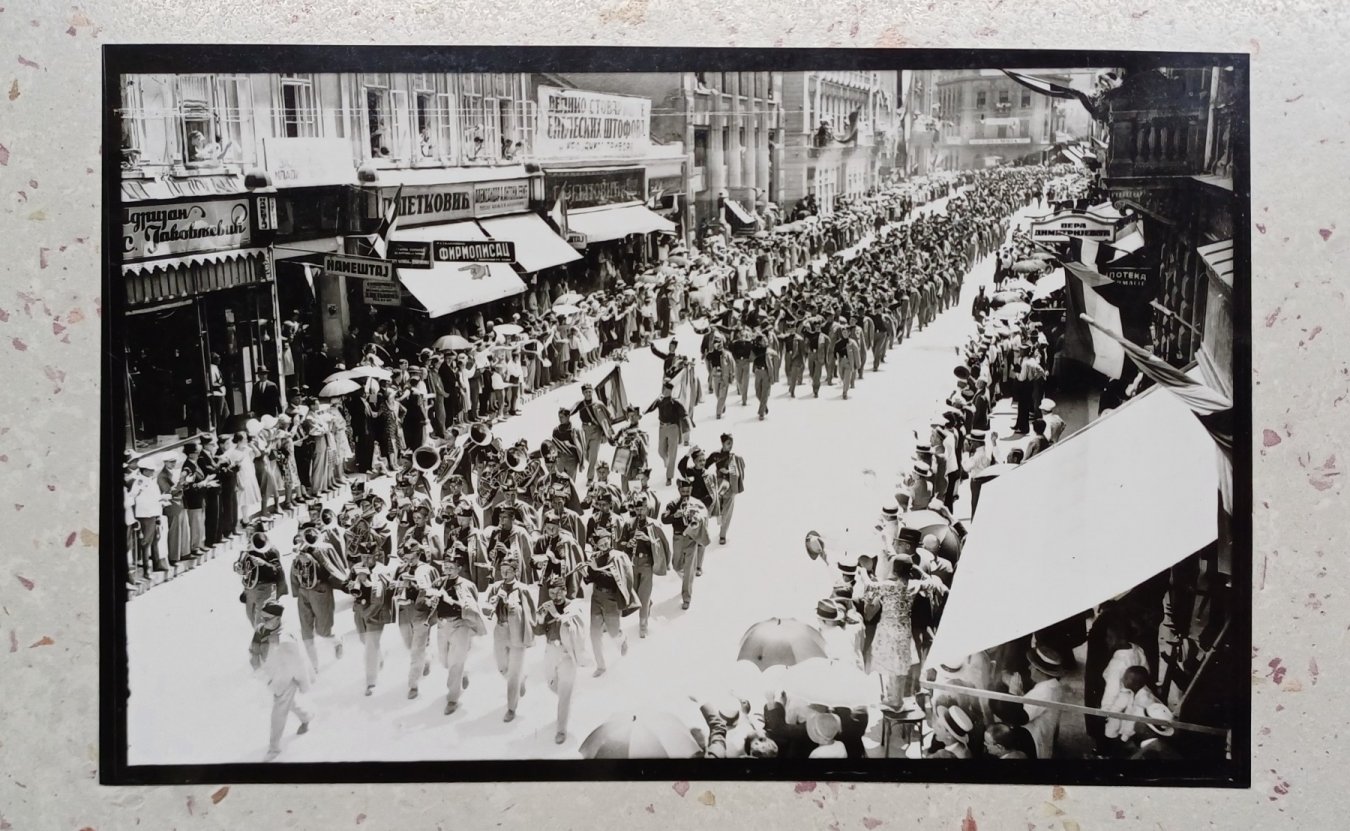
(256, 58)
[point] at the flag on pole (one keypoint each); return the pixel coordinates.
(612, 394)
(1054, 90)
(1091, 345)
(1213, 409)
(379, 240)
(687, 390)
(558, 213)
(311, 271)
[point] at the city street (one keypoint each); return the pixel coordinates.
(188, 641)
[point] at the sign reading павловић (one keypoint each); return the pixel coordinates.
(454, 251)
(575, 123)
(164, 230)
(1068, 224)
(361, 268)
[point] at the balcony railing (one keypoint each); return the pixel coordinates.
(1157, 143)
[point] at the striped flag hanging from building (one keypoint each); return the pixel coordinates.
(379, 240)
(1086, 344)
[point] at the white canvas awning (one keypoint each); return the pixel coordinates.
(1090, 518)
(537, 247)
(610, 223)
(446, 288)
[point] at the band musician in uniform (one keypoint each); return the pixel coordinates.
(453, 610)
(315, 572)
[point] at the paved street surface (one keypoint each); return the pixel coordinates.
(824, 464)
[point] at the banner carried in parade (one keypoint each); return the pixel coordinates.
(576, 124)
(612, 394)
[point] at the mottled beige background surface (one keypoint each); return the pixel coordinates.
(49, 337)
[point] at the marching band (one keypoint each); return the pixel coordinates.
(476, 538)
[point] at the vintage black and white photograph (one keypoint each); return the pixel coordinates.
(875, 417)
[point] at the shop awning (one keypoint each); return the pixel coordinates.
(604, 224)
(537, 247)
(452, 287)
(1090, 518)
(446, 288)
(176, 278)
(739, 212)
(1071, 154)
(189, 260)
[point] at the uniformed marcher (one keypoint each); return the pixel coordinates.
(315, 572)
(688, 519)
(610, 573)
(645, 542)
(453, 601)
(413, 577)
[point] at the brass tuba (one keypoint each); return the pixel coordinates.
(426, 458)
(517, 460)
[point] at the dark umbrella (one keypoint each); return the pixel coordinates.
(640, 736)
(780, 641)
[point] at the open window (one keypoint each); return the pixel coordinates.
(299, 111)
(382, 127)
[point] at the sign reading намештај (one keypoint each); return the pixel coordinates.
(361, 268)
(454, 251)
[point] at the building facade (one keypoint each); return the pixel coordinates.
(239, 191)
(1170, 158)
(730, 126)
(922, 125)
(989, 119)
(841, 134)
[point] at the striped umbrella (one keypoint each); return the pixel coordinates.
(640, 736)
(780, 641)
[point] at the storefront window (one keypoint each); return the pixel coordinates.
(166, 375)
(299, 107)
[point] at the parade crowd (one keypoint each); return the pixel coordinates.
(557, 541)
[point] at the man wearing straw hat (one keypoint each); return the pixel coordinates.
(1047, 668)
(952, 727)
(147, 501)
